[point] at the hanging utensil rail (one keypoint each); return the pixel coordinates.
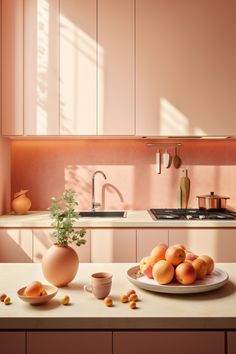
(165, 145)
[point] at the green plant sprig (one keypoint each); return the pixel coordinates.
(63, 214)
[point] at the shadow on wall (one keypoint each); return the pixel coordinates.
(111, 189)
(16, 246)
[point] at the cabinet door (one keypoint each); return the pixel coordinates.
(168, 342)
(148, 239)
(231, 341)
(78, 67)
(16, 246)
(113, 246)
(185, 65)
(42, 241)
(12, 342)
(12, 67)
(218, 243)
(69, 342)
(41, 67)
(116, 67)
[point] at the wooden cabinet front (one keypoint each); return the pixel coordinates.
(217, 243)
(231, 342)
(41, 67)
(12, 342)
(116, 79)
(69, 342)
(166, 342)
(12, 15)
(114, 245)
(185, 68)
(78, 67)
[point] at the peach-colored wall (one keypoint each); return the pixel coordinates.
(47, 167)
(4, 152)
(5, 178)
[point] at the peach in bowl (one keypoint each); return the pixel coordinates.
(36, 293)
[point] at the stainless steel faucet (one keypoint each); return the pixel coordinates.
(94, 204)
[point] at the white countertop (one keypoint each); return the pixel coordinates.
(133, 219)
(212, 310)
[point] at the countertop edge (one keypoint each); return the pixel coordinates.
(134, 219)
(113, 324)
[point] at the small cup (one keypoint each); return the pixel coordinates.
(100, 284)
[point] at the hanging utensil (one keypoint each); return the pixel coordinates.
(158, 161)
(185, 188)
(166, 159)
(176, 160)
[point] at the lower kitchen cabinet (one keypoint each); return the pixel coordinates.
(166, 342)
(69, 342)
(42, 240)
(12, 342)
(231, 342)
(114, 245)
(217, 243)
(148, 239)
(15, 246)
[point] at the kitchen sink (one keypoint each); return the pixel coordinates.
(103, 214)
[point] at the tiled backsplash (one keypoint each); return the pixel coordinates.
(47, 167)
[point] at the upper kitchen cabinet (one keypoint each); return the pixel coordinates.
(185, 68)
(116, 67)
(41, 67)
(78, 67)
(12, 67)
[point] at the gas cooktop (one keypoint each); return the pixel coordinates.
(192, 214)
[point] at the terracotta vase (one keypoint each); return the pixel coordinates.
(21, 204)
(60, 265)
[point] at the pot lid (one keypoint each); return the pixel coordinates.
(212, 195)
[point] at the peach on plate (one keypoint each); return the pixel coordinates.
(146, 265)
(201, 267)
(185, 273)
(158, 252)
(163, 272)
(190, 256)
(180, 245)
(175, 255)
(210, 263)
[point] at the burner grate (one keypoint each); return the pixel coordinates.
(192, 214)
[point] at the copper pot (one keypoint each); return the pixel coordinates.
(211, 201)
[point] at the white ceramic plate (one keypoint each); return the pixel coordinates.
(211, 282)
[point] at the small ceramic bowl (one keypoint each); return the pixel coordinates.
(38, 300)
